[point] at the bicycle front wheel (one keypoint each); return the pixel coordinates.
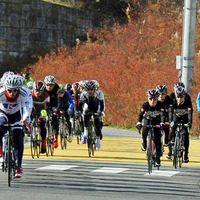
(149, 156)
(175, 160)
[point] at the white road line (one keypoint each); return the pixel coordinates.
(162, 173)
(56, 167)
(110, 170)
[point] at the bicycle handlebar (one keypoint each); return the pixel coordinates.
(10, 125)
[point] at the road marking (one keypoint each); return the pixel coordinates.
(162, 173)
(110, 170)
(56, 167)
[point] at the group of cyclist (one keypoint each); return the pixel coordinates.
(166, 110)
(22, 99)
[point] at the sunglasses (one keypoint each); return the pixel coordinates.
(179, 96)
(38, 90)
(12, 90)
(62, 92)
(49, 85)
(162, 94)
(90, 89)
(151, 99)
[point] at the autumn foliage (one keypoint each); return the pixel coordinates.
(126, 60)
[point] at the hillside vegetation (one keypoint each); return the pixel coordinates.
(126, 60)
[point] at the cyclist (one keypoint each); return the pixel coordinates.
(14, 108)
(27, 78)
(101, 95)
(198, 109)
(176, 85)
(66, 104)
(68, 88)
(41, 101)
(167, 102)
(183, 111)
(52, 88)
(91, 101)
(152, 109)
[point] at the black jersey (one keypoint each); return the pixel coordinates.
(41, 102)
(53, 95)
(156, 112)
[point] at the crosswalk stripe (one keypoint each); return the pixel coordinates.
(56, 167)
(162, 173)
(110, 170)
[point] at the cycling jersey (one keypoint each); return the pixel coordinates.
(41, 102)
(198, 102)
(20, 104)
(65, 102)
(156, 112)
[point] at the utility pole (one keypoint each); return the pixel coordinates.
(188, 44)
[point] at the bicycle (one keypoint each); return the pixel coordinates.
(9, 159)
(151, 147)
(178, 147)
(91, 141)
(49, 136)
(63, 130)
(78, 127)
(35, 137)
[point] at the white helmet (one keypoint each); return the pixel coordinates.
(13, 81)
(5, 75)
(30, 85)
(96, 83)
(49, 79)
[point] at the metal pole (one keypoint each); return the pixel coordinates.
(188, 43)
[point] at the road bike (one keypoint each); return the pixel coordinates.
(78, 127)
(151, 147)
(178, 148)
(63, 130)
(49, 136)
(91, 141)
(9, 163)
(35, 137)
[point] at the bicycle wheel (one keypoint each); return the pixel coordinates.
(13, 158)
(90, 139)
(149, 155)
(38, 144)
(175, 160)
(9, 161)
(62, 135)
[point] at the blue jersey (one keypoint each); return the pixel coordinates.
(198, 102)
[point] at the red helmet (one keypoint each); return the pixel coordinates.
(75, 85)
(38, 85)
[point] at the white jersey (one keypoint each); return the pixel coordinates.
(30, 99)
(21, 104)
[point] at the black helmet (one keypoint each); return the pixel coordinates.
(152, 93)
(162, 89)
(180, 92)
(26, 75)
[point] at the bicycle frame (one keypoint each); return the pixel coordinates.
(151, 147)
(9, 158)
(178, 148)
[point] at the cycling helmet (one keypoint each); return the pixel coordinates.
(5, 75)
(82, 84)
(162, 89)
(75, 85)
(13, 81)
(61, 86)
(152, 93)
(180, 92)
(38, 85)
(26, 75)
(96, 83)
(68, 87)
(30, 85)
(49, 79)
(178, 84)
(90, 85)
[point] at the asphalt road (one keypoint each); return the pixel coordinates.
(117, 171)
